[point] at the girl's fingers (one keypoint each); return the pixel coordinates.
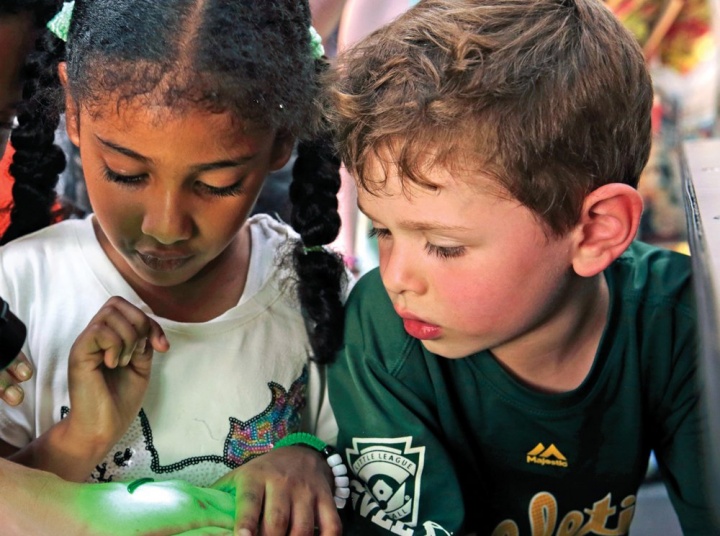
(328, 519)
(156, 336)
(248, 509)
(276, 514)
(120, 331)
(302, 522)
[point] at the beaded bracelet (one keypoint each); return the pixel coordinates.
(334, 460)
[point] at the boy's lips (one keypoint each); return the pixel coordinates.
(419, 328)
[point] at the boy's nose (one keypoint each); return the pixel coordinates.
(166, 220)
(401, 271)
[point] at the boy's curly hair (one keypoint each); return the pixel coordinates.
(550, 98)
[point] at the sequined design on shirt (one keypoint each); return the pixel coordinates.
(258, 435)
(135, 456)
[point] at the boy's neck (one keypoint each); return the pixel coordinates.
(558, 356)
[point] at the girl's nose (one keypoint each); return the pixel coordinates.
(166, 219)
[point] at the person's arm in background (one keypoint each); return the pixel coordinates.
(326, 15)
(362, 17)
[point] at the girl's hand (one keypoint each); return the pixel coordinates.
(108, 373)
(286, 491)
(10, 378)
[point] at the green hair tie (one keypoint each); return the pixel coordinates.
(318, 50)
(60, 23)
(312, 249)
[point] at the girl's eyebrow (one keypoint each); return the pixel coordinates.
(197, 168)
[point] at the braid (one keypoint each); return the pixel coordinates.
(37, 160)
(313, 193)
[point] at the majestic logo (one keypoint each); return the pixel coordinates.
(391, 471)
(547, 456)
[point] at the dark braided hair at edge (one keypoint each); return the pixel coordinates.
(263, 73)
(313, 193)
(37, 160)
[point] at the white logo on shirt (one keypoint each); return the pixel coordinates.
(391, 471)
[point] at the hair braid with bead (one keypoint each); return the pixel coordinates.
(37, 160)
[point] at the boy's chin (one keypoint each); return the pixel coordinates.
(449, 350)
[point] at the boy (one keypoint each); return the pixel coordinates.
(517, 356)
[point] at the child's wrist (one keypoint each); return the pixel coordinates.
(76, 445)
(334, 460)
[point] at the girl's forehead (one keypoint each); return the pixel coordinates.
(127, 114)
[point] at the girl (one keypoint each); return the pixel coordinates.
(180, 110)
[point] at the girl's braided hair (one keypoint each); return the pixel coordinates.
(252, 59)
(37, 161)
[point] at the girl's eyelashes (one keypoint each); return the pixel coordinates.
(224, 191)
(132, 180)
(112, 176)
(443, 252)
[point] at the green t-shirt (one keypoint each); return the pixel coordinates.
(454, 446)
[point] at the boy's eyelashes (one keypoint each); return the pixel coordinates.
(236, 188)
(444, 252)
(378, 232)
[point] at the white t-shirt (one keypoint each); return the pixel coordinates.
(225, 391)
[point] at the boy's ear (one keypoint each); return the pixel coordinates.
(284, 143)
(72, 119)
(608, 224)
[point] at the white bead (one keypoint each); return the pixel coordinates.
(339, 470)
(340, 503)
(342, 482)
(334, 460)
(343, 493)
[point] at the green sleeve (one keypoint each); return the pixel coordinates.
(403, 479)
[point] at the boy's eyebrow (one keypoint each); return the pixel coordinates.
(421, 225)
(198, 168)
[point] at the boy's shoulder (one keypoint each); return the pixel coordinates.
(652, 273)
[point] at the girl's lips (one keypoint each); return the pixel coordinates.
(163, 263)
